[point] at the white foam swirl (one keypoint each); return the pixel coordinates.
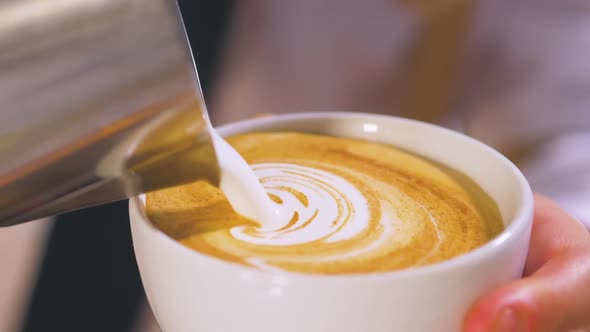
(341, 208)
(315, 205)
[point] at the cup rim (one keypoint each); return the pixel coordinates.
(518, 225)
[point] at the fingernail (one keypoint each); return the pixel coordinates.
(508, 321)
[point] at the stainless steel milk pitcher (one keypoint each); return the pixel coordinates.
(99, 100)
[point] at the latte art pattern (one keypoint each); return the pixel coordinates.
(315, 205)
(329, 217)
(345, 206)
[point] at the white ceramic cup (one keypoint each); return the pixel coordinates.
(189, 291)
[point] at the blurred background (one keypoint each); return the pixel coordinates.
(513, 74)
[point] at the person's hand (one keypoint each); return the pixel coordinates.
(554, 294)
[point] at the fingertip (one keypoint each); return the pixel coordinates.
(479, 317)
(489, 313)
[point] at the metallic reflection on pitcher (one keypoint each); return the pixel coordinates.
(100, 101)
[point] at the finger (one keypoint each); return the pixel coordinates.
(557, 294)
(554, 232)
(556, 298)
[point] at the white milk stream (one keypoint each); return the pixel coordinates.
(242, 188)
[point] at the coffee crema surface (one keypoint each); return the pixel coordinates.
(347, 206)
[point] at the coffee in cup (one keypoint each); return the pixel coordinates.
(348, 206)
